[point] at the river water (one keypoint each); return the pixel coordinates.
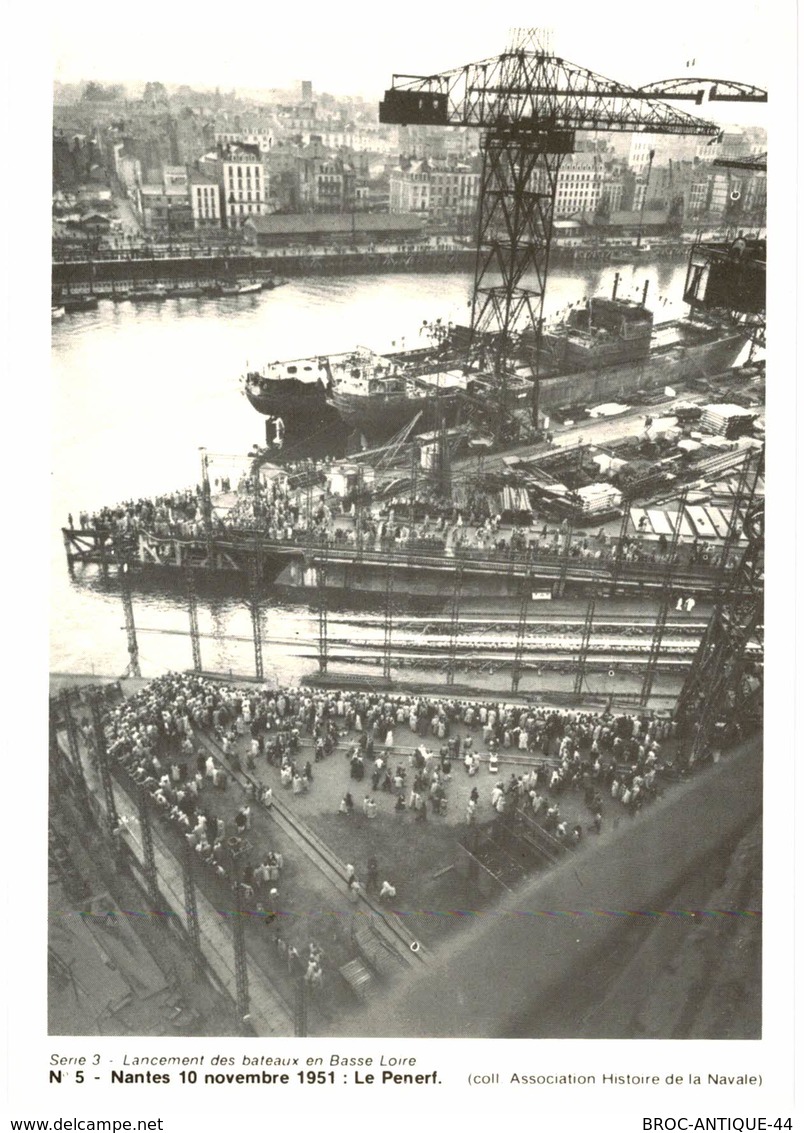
(136, 389)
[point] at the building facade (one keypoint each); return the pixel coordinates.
(205, 201)
(245, 188)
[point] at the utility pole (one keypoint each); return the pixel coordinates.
(206, 501)
(651, 155)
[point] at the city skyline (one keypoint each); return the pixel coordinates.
(701, 44)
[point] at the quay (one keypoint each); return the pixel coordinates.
(107, 269)
(124, 271)
(309, 565)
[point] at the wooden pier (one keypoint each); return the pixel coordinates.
(415, 569)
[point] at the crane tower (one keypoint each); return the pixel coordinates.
(530, 103)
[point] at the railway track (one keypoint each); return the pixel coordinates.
(272, 1013)
(389, 929)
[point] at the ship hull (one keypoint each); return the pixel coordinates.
(302, 406)
(383, 416)
(305, 408)
(662, 367)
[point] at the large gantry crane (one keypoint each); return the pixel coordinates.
(531, 104)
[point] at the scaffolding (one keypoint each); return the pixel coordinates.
(148, 857)
(580, 672)
(664, 606)
(240, 958)
(255, 611)
(191, 908)
(388, 619)
(724, 688)
(619, 552)
(123, 568)
(521, 625)
(72, 740)
(457, 589)
(112, 819)
(323, 603)
(192, 610)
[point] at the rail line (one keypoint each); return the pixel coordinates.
(391, 931)
(271, 1011)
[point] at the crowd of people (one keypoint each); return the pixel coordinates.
(408, 750)
(152, 735)
(282, 512)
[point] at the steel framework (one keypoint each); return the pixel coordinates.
(521, 625)
(191, 908)
(455, 610)
(517, 193)
(531, 103)
(323, 603)
(240, 958)
(388, 618)
(664, 605)
(192, 610)
(700, 91)
(112, 818)
(148, 857)
(72, 739)
(744, 496)
(255, 611)
(580, 672)
(128, 611)
(619, 551)
(724, 685)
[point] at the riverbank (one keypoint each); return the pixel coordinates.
(121, 268)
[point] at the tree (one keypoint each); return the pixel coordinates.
(602, 209)
(97, 92)
(675, 216)
(155, 92)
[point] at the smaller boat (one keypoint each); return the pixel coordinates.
(119, 296)
(189, 293)
(148, 295)
(240, 288)
(56, 313)
(75, 303)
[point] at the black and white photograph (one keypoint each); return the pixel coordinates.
(404, 549)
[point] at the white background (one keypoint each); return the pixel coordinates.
(355, 47)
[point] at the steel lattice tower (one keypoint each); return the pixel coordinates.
(531, 103)
(724, 685)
